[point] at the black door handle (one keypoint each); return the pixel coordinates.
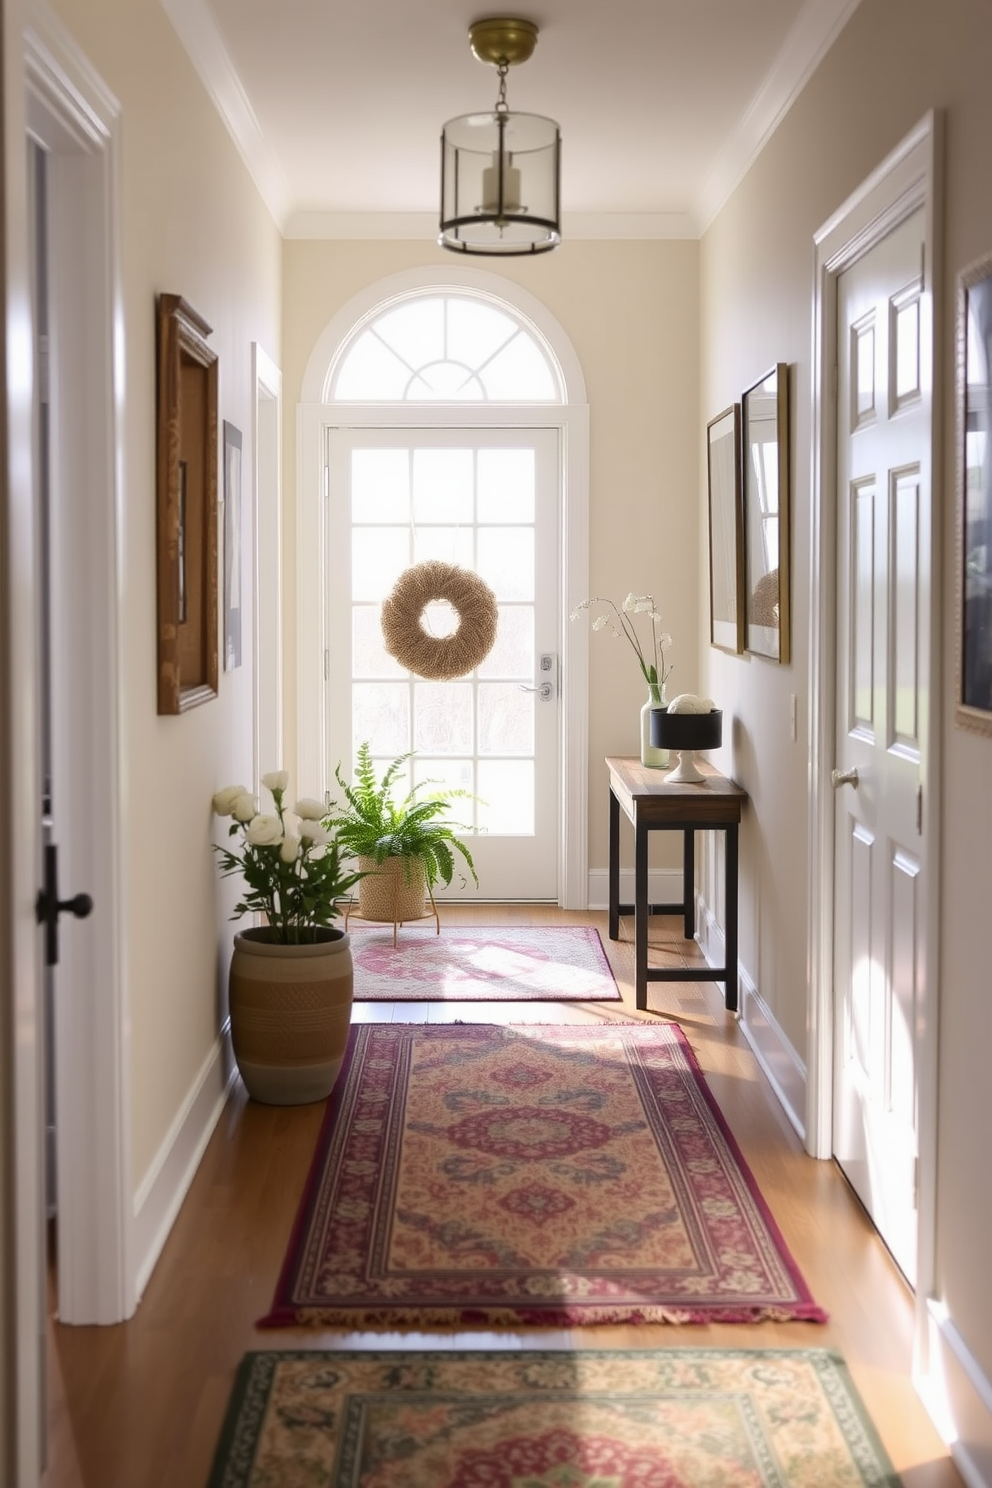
(48, 906)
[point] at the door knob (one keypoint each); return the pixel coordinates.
(48, 905)
(843, 777)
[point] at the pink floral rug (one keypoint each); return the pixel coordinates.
(481, 963)
(475, 1175)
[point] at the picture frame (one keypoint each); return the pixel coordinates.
(766, 505)
(723, 475)
(186, 507)
(973, 607)
(233, 552)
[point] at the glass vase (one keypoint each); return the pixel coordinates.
(654, 759)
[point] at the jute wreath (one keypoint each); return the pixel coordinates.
(439, 658)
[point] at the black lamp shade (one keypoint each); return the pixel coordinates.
(686, 730)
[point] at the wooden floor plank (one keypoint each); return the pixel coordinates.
(140, 1405)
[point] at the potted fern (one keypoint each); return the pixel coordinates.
(404, 843)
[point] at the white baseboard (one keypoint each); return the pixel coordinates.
(782, 1066)
(161, 1192)
(664, 886)
(958, 1395)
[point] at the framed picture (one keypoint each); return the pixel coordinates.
(974, 498)
(233, 561)
(723, 467)
(766, 501)
(186, 507)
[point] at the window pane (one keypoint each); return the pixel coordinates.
(513, 653)
(446, 774)
(371, 373)
(380, 485)
(519, 373)
(506, 719)
(449, 544)
(380, 713)
(369, 657)
(506, 485)
(450, 382)
(506, 791)
(414, 330)
(378, 557)
(442, 485)
(476, 331)
(506, 561)
(442, 717)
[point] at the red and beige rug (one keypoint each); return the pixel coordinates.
(679, 1418)
(481, 963)
(475, 1175)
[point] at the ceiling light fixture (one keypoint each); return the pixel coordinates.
(501, 172)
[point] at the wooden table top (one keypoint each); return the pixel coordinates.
(644, 793)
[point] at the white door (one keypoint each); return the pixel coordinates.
(883, 568)
(487, 500)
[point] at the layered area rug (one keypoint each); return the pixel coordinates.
(519, 963)
(477, 1176)
(681, 1418)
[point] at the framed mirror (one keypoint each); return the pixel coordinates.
(186, 499)
(766, 500)
(723, 467)
(974, 498)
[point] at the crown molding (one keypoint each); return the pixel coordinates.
(813, 33)
(197, 30)
(423, 226)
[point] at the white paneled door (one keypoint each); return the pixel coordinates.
(883, 568)
(487, 500)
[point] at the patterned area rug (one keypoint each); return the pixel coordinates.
(681, 1418)
(475, 1175)
(481, 963)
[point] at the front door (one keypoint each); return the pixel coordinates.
(883, 671)
(486, 500)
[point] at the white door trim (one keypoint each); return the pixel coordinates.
(266, 380)
(70, 111)
(315, 416)
(907, 179)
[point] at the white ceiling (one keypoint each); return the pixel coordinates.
(662, 103)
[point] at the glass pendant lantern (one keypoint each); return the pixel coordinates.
(501, 171)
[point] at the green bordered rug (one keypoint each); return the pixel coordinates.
(678, 1418)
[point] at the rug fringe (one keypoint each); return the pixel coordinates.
(391, 1319)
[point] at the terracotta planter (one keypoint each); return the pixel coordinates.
(290, 1014)
(395, 890)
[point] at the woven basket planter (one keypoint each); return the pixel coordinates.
(394, 891)
(290, 1014)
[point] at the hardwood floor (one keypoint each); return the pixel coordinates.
(140, 1405)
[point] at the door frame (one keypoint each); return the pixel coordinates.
(77, 120)
(316, 414)
(909, 179)
(266, 381)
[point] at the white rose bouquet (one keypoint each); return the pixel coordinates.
(288, 859)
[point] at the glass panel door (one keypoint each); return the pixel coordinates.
(487, 501)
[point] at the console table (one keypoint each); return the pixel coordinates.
(651, 804)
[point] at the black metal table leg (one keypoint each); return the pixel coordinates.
(614, 874)
(730, 909)
(689, 882)
(640, 915)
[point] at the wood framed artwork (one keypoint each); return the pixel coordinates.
(974, 498)
(766, 502)
(186, 497)
(723, 468)
(233, 561)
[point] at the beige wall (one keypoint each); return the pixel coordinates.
(894, 61)
(192, 223)
(631, 312)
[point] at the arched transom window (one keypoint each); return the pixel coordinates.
(449, 348)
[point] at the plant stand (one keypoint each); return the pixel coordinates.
(351, 913)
